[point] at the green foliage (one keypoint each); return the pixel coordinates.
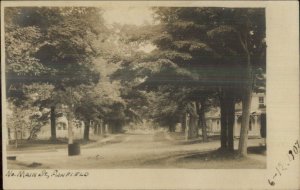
(55, 55)
(200, 50)
(26, 121)
(164, 109)
(54, 45)
(50, 51)
(212, 37)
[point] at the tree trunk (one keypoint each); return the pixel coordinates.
(95, 125)
(187, 128)
(202, 121)
(70, 128)
(16, 137)
(204, 127)
(230, 121)
(99, 128)
(53, 124)
(227, 119)
(86, 131)
(263, 124)
(8, 135)
(246, 108)
(119, 126)
(224, 134)
(21, 134)
(102, 127)
(100, 132)
(171, 127)
(193, 127)
(112, 127)
(192, 132)
(183, 122)
(70, 118)
(246, 104)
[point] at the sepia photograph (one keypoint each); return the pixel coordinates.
(136, 87)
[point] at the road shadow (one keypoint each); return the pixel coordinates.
(210, 159)
(220, 154)
(257, 150)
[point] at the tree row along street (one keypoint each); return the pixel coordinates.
(73, 77)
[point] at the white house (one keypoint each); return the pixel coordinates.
(62, 129)
(213, 121)
(257, 118)
(258, 113)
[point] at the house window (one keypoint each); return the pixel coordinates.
(261, 102)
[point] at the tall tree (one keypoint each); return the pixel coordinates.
(243, 33)
(51, 45)
(216, 44)
(183, 40)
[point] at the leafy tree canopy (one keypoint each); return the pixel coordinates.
(51, 45)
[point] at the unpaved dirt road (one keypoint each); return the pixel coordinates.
(136, 150)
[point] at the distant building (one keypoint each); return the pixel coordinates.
(45, 131)
(213, 121)
(257, 124)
